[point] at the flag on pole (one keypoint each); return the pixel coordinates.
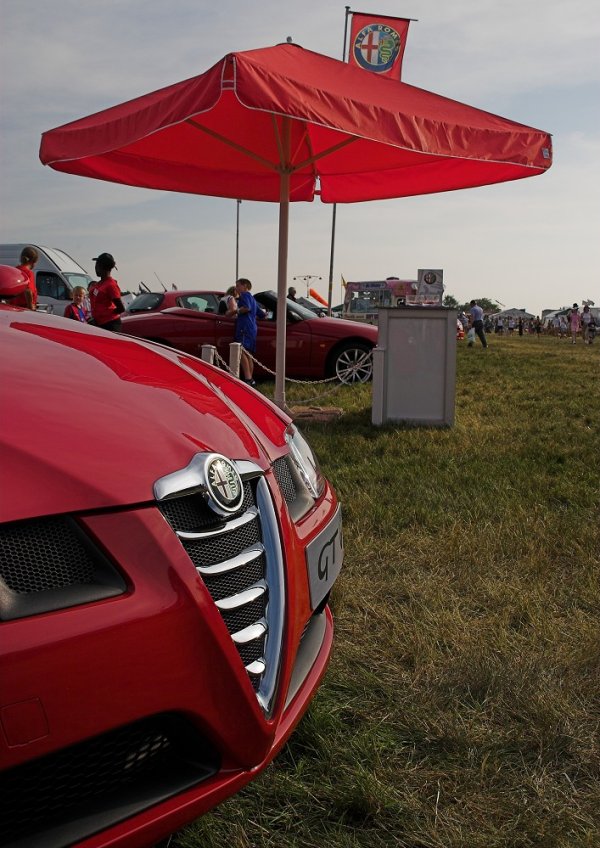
(377, 43)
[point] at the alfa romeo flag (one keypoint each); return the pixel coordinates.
(377, 43)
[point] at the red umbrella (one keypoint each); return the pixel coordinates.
(283, 124)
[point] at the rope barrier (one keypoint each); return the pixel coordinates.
(339, 382)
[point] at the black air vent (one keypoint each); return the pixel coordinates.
(48, 564)
(60, 799)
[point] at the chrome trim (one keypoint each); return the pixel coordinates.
(269, 628)
(275, 578)
(195, 479)
(186, 481)
(250, 633)
(247, 470)
(248, 516)
(234, 602)
(233, 564)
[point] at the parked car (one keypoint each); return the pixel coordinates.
(317, 348)
(164, 584)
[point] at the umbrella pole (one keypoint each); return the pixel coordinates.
(284, 217)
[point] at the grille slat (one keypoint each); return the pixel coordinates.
(230, 557)
(235, 554)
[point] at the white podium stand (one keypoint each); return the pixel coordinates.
(414, 366)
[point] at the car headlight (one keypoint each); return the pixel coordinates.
(305, 461)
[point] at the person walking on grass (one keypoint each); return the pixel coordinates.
(586, 318)
(246, 329)
(575, 322)
(477, 322)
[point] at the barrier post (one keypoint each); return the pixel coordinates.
(235, 356)
(208, 354)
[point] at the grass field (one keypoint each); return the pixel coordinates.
(462, 703)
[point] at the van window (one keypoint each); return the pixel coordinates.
(78, 280)
(51, 285)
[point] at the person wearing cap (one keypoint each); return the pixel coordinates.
(105, 295)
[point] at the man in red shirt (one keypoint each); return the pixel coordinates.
(105, 295)
(28, 299)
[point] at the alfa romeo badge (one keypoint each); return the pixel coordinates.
(224, 483)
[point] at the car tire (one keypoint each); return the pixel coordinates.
(352, 362)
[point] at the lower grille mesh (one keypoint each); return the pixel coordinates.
(91, 777)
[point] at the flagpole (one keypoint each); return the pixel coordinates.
(334, 211)
(237, 239)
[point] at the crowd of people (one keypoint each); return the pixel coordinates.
(570, 325)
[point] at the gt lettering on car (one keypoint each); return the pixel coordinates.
(324, 557)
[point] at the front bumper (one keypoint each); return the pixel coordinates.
(158, 650)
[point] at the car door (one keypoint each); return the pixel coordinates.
(182, 329)
(299, 351)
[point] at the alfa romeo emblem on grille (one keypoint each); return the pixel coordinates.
(224, 483)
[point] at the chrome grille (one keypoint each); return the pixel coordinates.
(240, 561)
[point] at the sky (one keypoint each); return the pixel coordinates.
(531, 244)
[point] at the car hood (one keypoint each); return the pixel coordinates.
(342, 328)
(92, 419)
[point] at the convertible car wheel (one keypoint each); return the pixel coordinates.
(353, 363)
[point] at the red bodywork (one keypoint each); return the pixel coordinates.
(93, 420)
(313, 343)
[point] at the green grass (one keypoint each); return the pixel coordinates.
(462, 703)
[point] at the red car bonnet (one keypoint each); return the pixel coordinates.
(59, 460)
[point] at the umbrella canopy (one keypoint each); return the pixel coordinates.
(282, 124)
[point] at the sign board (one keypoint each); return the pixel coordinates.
(430, 287)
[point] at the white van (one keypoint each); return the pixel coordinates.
(56, 274)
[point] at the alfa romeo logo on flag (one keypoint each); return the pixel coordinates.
(376, 47)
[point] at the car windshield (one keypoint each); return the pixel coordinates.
(146, 301)
(268, 299)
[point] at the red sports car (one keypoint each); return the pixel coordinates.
(316, 347)
(168, 545)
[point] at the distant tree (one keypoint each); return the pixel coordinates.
(450, 301)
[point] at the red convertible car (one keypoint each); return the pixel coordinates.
(317, 348)
(167, 549)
